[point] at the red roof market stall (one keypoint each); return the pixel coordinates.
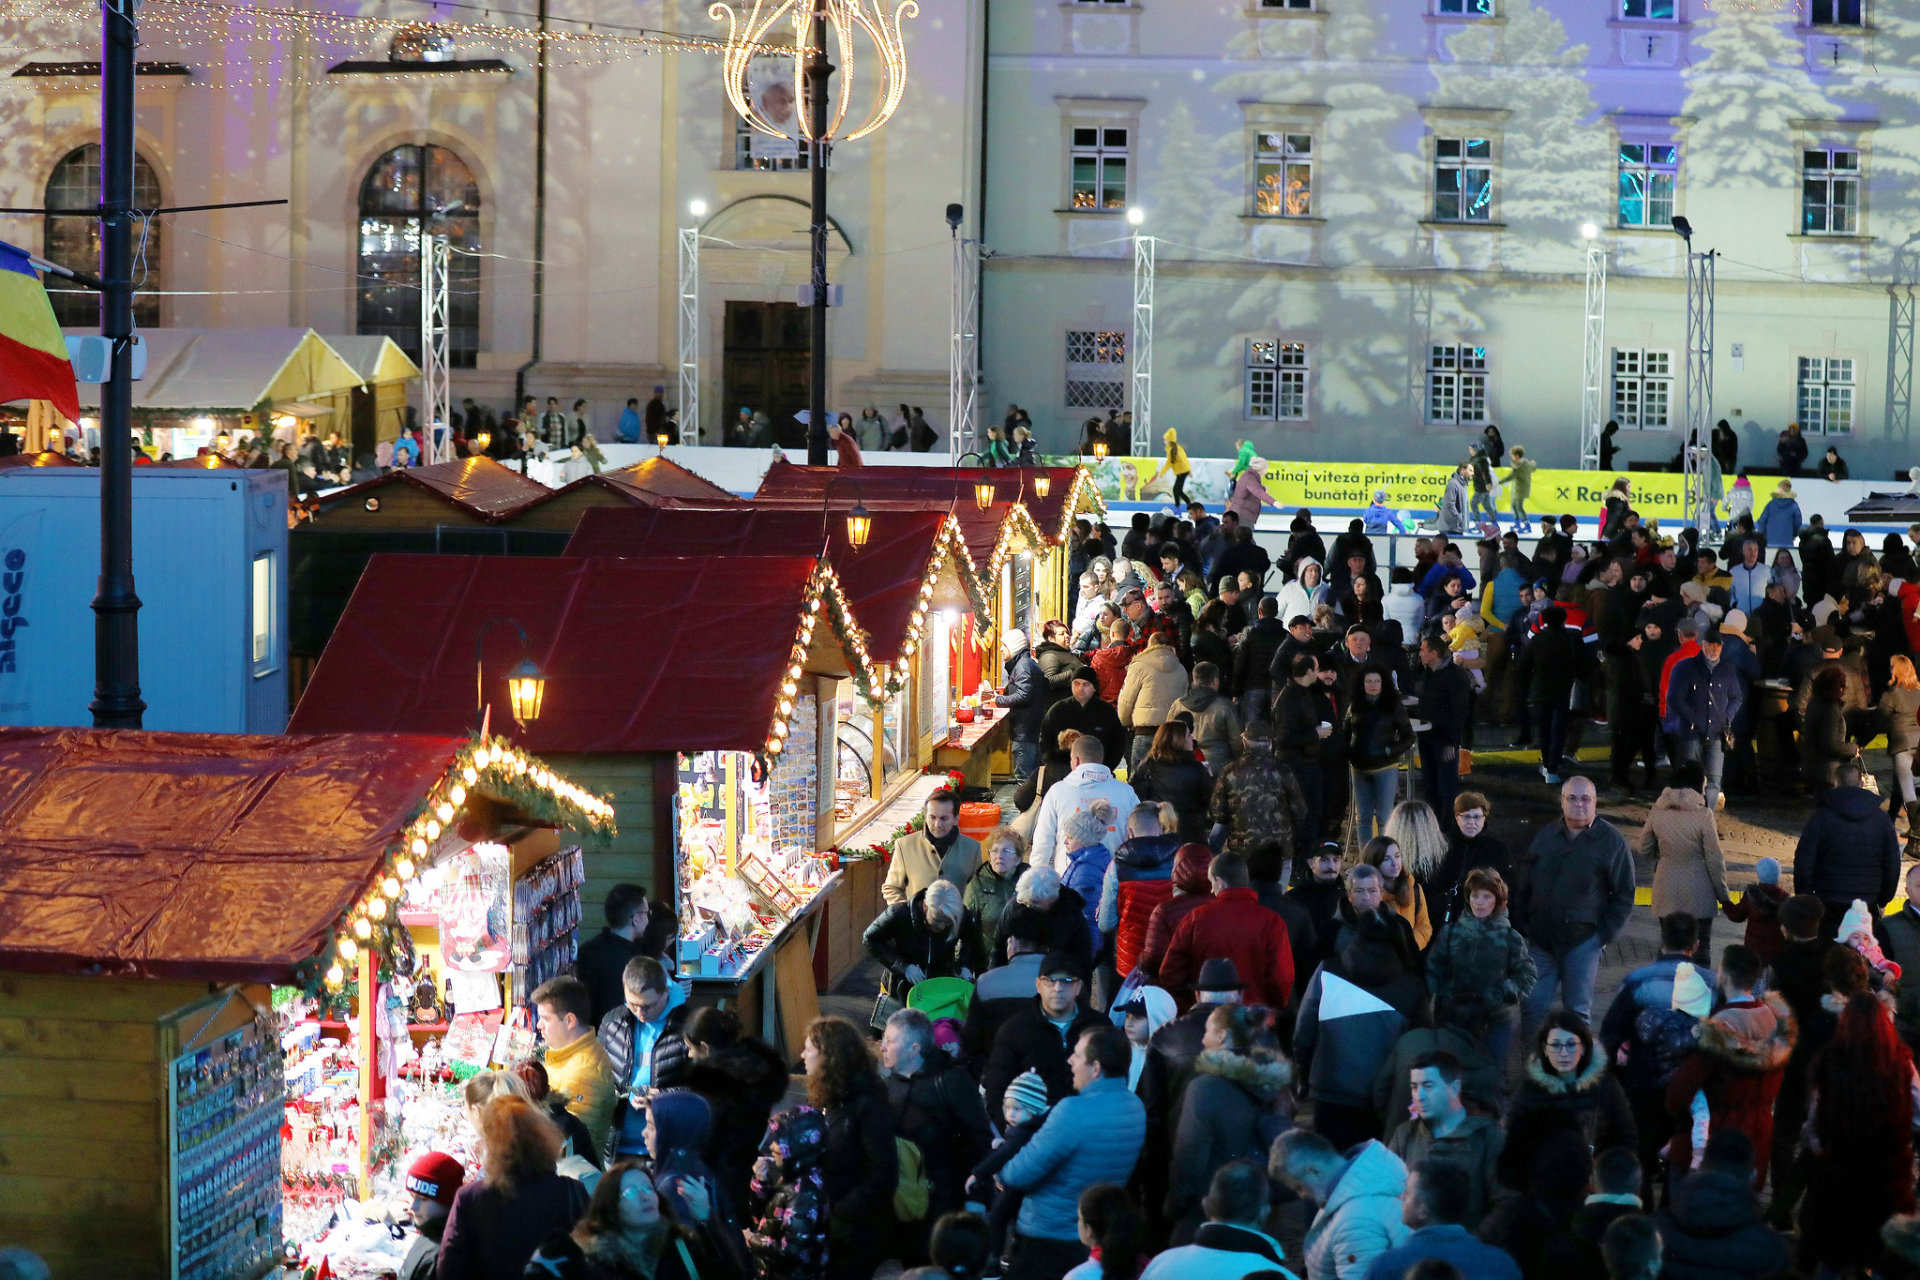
(208, 940)
(466, 489)
(696, 690)
(912, 590)
(651, 482)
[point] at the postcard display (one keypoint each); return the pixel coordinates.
(745, 859)
(371, 1085)
(224, 1112)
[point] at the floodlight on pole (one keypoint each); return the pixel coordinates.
(963, 341)
(1589, 231)
(1693, 447)
(698, 208)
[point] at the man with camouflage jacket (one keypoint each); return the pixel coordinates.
(1257, 797)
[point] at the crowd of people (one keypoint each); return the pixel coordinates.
(1250, 948)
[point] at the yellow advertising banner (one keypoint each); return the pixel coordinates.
(1415, 487)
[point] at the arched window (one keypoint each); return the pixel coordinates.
(75, 242)
(405, 189)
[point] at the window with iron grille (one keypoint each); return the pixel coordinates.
(1276, 380)
(1650, 10)
(1096, 369)
(1466, 8)
(1462, 180)
(1098, 160)
(1830, 191)
(1648, 174)
(1283, 175)
(745, 136)
(74, 243)
(1826, 396)
(1836, 13)
(1456, 384)
(1642, 389)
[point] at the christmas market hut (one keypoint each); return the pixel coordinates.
(651, 482)
(698, 692)
(208, 941)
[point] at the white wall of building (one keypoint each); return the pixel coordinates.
(1371, 281)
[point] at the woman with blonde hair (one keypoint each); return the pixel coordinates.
(1413, 826)
(1900, 704)
(1401, 890)
(497, 1222)
(861, 1166)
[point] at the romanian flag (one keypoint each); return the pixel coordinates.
(33, 353)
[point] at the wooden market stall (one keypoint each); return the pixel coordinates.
(651, 482)
(697, 691)
(375, 410)
(205, 941)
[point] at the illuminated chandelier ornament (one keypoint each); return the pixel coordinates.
(749, 35)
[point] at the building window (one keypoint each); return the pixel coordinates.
(1298, 6)
(1826, 396)
(1643, 389)
(1096, 369)
(1829, 191)
(1462, 180)
(1648, 172)
(1099, 164)
(409, 188)
(1283, 175)
(74, 243)
(1836, 13)
(1456, 385)
(1276, 378)
(1465, 8)
(1650, 10)
(755, 150)
(262, 608)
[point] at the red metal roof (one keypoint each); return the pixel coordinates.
(208, 856)
(640, 655)
(952, 485)
(658, 480)
(203, 462)
(47, 459)
(479, 485)
(881, 580)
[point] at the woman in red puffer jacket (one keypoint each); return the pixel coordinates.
(1191, 890)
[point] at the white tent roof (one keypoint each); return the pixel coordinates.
(375, 357)
(232, 369)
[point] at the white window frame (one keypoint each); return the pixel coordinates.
(1825, 388)
(262, 590)
(1465, 9)
(1457, 376)
(1833, 7)
(1647, 7)
(1648, 169)
(1291, 6)
(1100, 151)
(1285, 162)
(1464, 163)
(1277, 380)
(1833, 177)
(1108, 349)
(1637, 378)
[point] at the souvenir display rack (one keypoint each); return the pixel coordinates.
(224, 1113)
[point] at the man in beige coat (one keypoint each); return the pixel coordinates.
(935, 852)
(1155, 681)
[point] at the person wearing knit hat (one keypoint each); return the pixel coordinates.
(1692, 994)
(432, 1180)
(1029, 1093)
(1086, 711)
(1144, 1012)
(1767, 870)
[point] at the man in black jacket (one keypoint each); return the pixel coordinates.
(645, 1036)
(603, 960)
(1253, 660)
(1574, 896)
(935, 1105)
(1243, 555)
(1446, 707)
(1848, 850)
(1088, 712)
(1041, 1037)
(1026, 698)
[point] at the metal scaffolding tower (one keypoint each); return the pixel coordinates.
(435, 388)
(1699, 386)
(963, 358)
(689, 311)
(1900, 309)
(1593, 357)
(1143, 247)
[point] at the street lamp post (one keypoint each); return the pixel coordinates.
(821, 120)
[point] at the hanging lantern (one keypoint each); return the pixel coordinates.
(526, 686)
(859, 526)
(1099, 448)
(1041, 484)
(983, 494)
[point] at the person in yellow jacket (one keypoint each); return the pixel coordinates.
(937, 851)
(1177, 465)
(577, 1067)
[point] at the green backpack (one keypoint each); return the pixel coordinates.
(912, 1193)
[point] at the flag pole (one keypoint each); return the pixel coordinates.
(116, 645)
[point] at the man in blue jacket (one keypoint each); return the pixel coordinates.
(1094, 1136)
(1704, 698)
(1434, 1204)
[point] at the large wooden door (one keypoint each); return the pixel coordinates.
(767, 366)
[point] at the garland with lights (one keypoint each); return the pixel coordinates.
(490, 768)
(1018, 524)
